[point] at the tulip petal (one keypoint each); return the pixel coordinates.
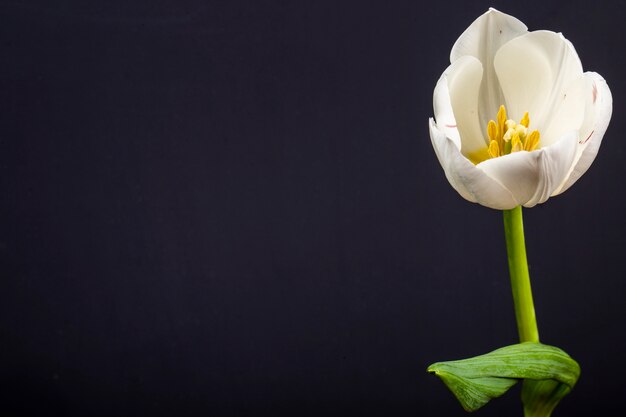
(472, 183)
(570, 112)
(533, 176)
(442, 106)
(535, 70)
(599, 110)
(455, 103)
(482, 39)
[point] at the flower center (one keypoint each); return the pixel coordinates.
(506, 136)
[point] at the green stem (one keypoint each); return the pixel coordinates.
(539, 397)
(520, 279)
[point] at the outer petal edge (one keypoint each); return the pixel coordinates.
(533, 176)
(470, 182)
(482, 39)
(591, 137)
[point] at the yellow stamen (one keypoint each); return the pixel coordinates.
(501, 125)
(506, 136)
(492, 130)
(516, 143)
(525, 120)
(494, 149)
(501, 117)
(532, 141)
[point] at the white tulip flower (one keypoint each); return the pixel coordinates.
(516, 119)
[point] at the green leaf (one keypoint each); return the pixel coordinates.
(549, 372)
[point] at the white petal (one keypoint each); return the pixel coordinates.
(486, 34)
(442, 106)
(469, 181)
(599, 110)
(455, 102)
(535, 70)
(482, 39)
(570, 111)
(533, 176)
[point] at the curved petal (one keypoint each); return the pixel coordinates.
(442, 106)
(473, 184)
(570, 112)
(482, 39)
(535, 70)
(533, 176)
(455, 103)
(599, 110)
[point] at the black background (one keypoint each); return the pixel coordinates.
(234, 209)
